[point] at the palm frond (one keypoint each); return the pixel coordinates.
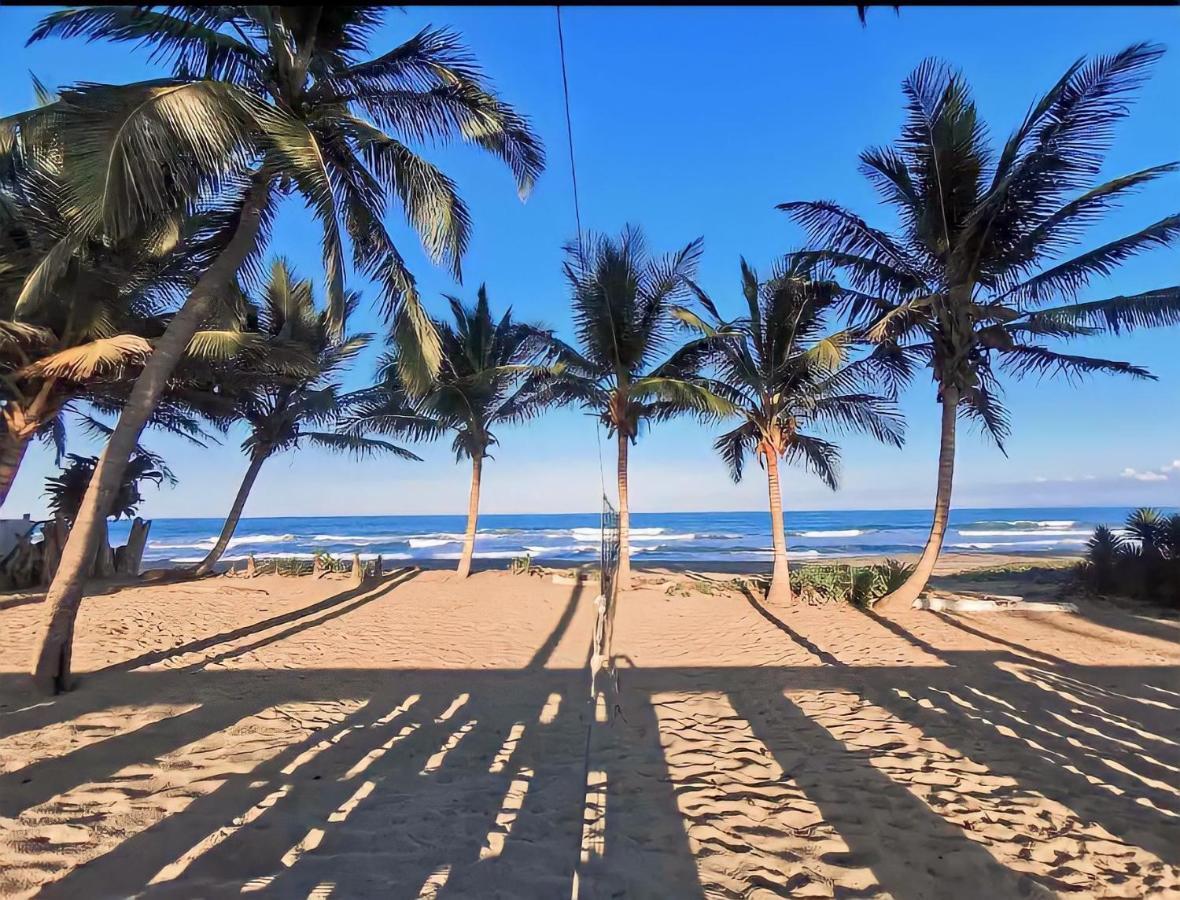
(1027, 360)
(735, 445)
(1150, 309)
(86, 361)
(356, 445)
(815, 455)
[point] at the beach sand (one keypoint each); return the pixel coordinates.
(300, 737)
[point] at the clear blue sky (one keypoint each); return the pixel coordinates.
(697, 122)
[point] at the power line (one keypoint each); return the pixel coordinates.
(569, 128)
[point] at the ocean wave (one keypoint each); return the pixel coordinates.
(1025, 523)
(1026, 532)
(851, 532)
(243, 557)
(423, 543)
(1066, 542)
(259, 539)
(595, 534)
(360, 539)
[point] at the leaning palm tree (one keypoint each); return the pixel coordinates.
(265, 102)
(479, 387)
(971, 284)
(786, 374)
(284, 412)
(622, 301)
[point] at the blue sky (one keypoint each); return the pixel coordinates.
(697, 122)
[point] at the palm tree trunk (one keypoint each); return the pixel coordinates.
(472, 518)
(624, 577)
(12, 452)
(780, 576)
(231, 521)
(904, 596)
(51, 662)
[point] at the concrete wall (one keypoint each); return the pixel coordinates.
(11, 531)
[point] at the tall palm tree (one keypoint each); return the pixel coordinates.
(479, 387)
(285, 411)
(622, 300)
(972, 284)
(787, 374)
(265, 102)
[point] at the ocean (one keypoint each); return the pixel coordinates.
(655, 537)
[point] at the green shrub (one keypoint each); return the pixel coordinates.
(859, 585)
(1142, 563)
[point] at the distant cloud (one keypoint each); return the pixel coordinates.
(1064, 479)
(1144, 476)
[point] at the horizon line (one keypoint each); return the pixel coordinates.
(666, 512)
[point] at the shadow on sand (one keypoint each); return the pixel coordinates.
(358, 801)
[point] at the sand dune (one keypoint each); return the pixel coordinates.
(421, 738)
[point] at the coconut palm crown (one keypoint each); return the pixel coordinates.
(973, 283)
(479, 387)
(284, 411)
(629, 368)
(787, 374)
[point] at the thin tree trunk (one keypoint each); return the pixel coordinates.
(904, 596)
(231, 521)
(780, 576)
(472, 519)
(12, 451)
(624, 577)
(51, 662)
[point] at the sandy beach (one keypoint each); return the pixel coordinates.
(419, 737)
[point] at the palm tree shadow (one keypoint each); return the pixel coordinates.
(786, 629)
(545, 651)
(904, 633)
(363, 594)
(1020, 649)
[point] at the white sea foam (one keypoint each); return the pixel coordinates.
(851, 532)
(1036, 523)
(992, 545)
(1040, 532)
(423, 543)
(595, 534)
(260, 539)
(359, 539)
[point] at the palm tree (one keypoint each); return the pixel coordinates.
(285, 411)
(785, 373)
(87, 337)
(265, 102)
(478, 388)
(971, 284)
(622, 301)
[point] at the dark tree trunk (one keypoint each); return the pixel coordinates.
(231, 521)
(51, 662)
